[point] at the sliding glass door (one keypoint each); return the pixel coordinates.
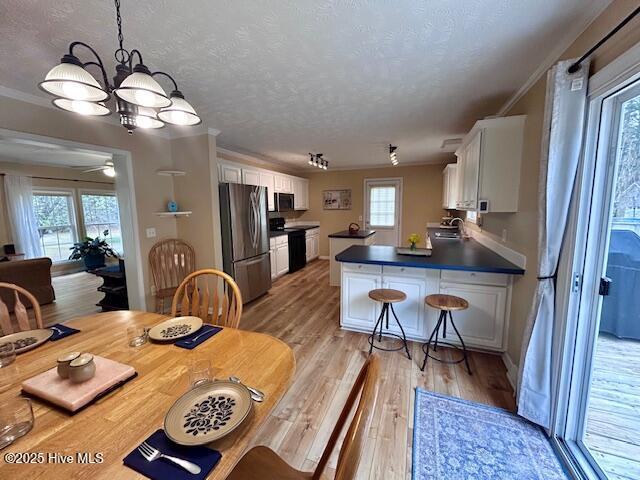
(600, 412)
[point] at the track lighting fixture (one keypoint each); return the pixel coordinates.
(316, 160)
(393, 154)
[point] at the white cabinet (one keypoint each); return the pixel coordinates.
(312, 243)
(282, 259)
(250, 177)
(489, 162)
(450, 186)
(358, 311)
(283, 184)
(272, 258)
(482, 324)
(268, 180)
(279, 253)
(300, 188)
(230, 173)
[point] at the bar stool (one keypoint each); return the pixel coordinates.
(446, 304)
(388, 297)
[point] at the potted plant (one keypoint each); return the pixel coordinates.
(93, 251)
(414, 239)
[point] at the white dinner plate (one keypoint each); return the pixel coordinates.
(175, 328)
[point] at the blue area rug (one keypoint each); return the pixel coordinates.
(454, 439)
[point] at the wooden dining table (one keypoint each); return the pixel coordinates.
(116, 424)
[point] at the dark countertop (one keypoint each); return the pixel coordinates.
(466, 255)
(306, 227)
(346, 234)
(277, 233)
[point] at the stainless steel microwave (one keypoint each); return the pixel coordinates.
(284, 202)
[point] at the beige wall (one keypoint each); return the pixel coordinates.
(148, 152)
(422, 198)
(522, 231)
(195, 191)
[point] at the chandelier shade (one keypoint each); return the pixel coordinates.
(148, 118)
(141, 89)
(180, 112)
(82, 107)
(72, 81)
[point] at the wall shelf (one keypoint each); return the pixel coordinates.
(171, 173)
(174, 214)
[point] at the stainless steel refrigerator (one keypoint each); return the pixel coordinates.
(245, 237)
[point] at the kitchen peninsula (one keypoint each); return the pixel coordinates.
(464, 268)
(339, 242)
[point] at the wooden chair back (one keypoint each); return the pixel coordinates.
(211, 295)
(170, 262)
(365, 386)
(19, 311)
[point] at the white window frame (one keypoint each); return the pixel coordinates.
(399, 199)
(83, 223)
(75, 226)
(570, 334)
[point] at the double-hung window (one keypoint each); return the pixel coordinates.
(55, 216)
(100, 213)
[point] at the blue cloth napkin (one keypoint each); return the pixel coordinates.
(61, 331)
(163, 469)
(207, 331)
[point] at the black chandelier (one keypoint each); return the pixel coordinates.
(393, 154)
(316, 160)
(139, 99)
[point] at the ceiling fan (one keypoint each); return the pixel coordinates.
(108, 169)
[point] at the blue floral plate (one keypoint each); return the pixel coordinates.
(207, 412)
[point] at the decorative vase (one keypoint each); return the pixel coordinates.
(94, 261)
(412, 246)
(172, 206)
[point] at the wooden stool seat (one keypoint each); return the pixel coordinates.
(387, 295)
(449, 303)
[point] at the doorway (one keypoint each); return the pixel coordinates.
(383, 209)
(599, 415)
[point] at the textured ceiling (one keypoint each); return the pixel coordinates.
(282, 78)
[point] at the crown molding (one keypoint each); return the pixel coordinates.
(167, 132)
(240, 154)
(554, 55)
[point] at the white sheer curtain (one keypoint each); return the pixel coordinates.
(561, 145)
(22, 220)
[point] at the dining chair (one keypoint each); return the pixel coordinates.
(170, 261)
(19, 310)
(264, 464)
(199, 295)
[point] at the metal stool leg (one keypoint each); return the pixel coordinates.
(373, 334)
(433, 332)
(464, 348)
(385, 311)
(404, 337)
(442, 318)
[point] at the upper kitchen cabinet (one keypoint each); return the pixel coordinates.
(300, 193)
(250, 177)
(275, 182)
(283, 184)
(268, 179)
(450, 186)
(230, 173)
(488, 168)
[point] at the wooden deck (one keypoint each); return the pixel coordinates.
(613, 419)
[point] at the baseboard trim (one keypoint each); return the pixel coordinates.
(512, 371)
(324, 257)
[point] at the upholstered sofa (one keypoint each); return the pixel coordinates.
(33, 274)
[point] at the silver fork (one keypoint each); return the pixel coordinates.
(192, 340)
(150, 454)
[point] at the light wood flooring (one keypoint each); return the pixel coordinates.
(76, 296)
(303, 310)
(613, 415)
